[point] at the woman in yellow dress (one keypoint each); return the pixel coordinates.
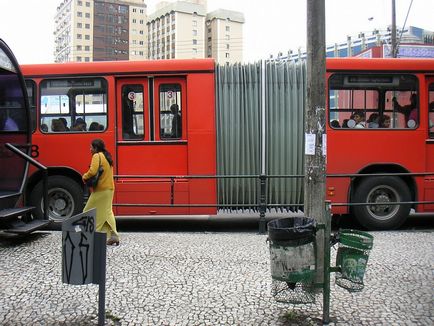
(101, 197)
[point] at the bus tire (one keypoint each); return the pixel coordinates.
(65, 198)
(382, 189)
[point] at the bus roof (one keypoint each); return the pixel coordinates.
(119, 67)
(380, 64)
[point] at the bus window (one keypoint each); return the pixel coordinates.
(373, 101)
(73, 105)
(132, 112)
(31, 93)
(170, 111)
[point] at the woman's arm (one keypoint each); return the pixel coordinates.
(93, 169)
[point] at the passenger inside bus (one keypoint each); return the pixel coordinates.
(57, 125)
(384, 121)
(79, 125)
(410, 111)
(176, 121)
(359, 118)
(6, 122)
(373, 121)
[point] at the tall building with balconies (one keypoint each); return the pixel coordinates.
(99, 30)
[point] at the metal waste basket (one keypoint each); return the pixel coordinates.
(352, 257)
(292, 258)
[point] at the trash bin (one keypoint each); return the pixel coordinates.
(292, 258)
(352, 257)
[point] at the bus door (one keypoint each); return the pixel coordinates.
(429, 180)
(14, 128)
(151, 146)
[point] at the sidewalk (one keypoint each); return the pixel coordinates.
(209, 279)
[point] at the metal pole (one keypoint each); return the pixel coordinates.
(315, 133)
(326, 284)
(262, 202)
(100, 241)
(394, 48)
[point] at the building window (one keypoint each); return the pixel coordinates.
(79, 3)
(194, 42)
(209, 30)
(194, 32)
(141, 21)
(78, 59)
(79, 25)
(87, 37)
(227, 55)
(227, 46)
(79, 14)
(87, 15)
(194, 23)
(134, 21)
(86, 59)
(87, 48)
(228, 28)
(194, 51)
(141, 11)
(79, 36)
(227, 37)
(87, 4)
(79, 47)
(134, 9)
(141, 32)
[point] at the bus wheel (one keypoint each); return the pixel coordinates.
(382, 190)
(65, 198)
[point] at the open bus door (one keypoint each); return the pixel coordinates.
(14, 129)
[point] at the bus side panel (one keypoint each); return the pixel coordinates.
(202, 142)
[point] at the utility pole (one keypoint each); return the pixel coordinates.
(314, 125)
(394, 46)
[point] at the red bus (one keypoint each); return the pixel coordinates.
(130, 106)
(378, 91)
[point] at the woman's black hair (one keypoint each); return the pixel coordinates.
(99, 146)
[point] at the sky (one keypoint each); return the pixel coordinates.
(271, 26)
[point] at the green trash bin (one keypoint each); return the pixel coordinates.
(352, 257)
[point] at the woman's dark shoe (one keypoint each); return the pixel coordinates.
(113, 241)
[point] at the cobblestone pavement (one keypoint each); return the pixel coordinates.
(209, 279)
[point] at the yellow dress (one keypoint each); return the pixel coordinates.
(101, 197)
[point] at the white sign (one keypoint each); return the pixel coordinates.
(309, 144)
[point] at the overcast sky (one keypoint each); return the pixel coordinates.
(271, 26)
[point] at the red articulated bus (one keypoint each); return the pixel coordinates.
(372, 130)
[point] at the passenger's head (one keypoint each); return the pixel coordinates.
(94, 126)
(359, 117)
(373, 117)
(385, 121)
(174, 108)
(334, 124)
(65, 123)
(57, 125)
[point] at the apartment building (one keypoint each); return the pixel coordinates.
(99, 30)
(183, 30)
(176, 31)
(224, 36)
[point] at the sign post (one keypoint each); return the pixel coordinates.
(84, 255)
